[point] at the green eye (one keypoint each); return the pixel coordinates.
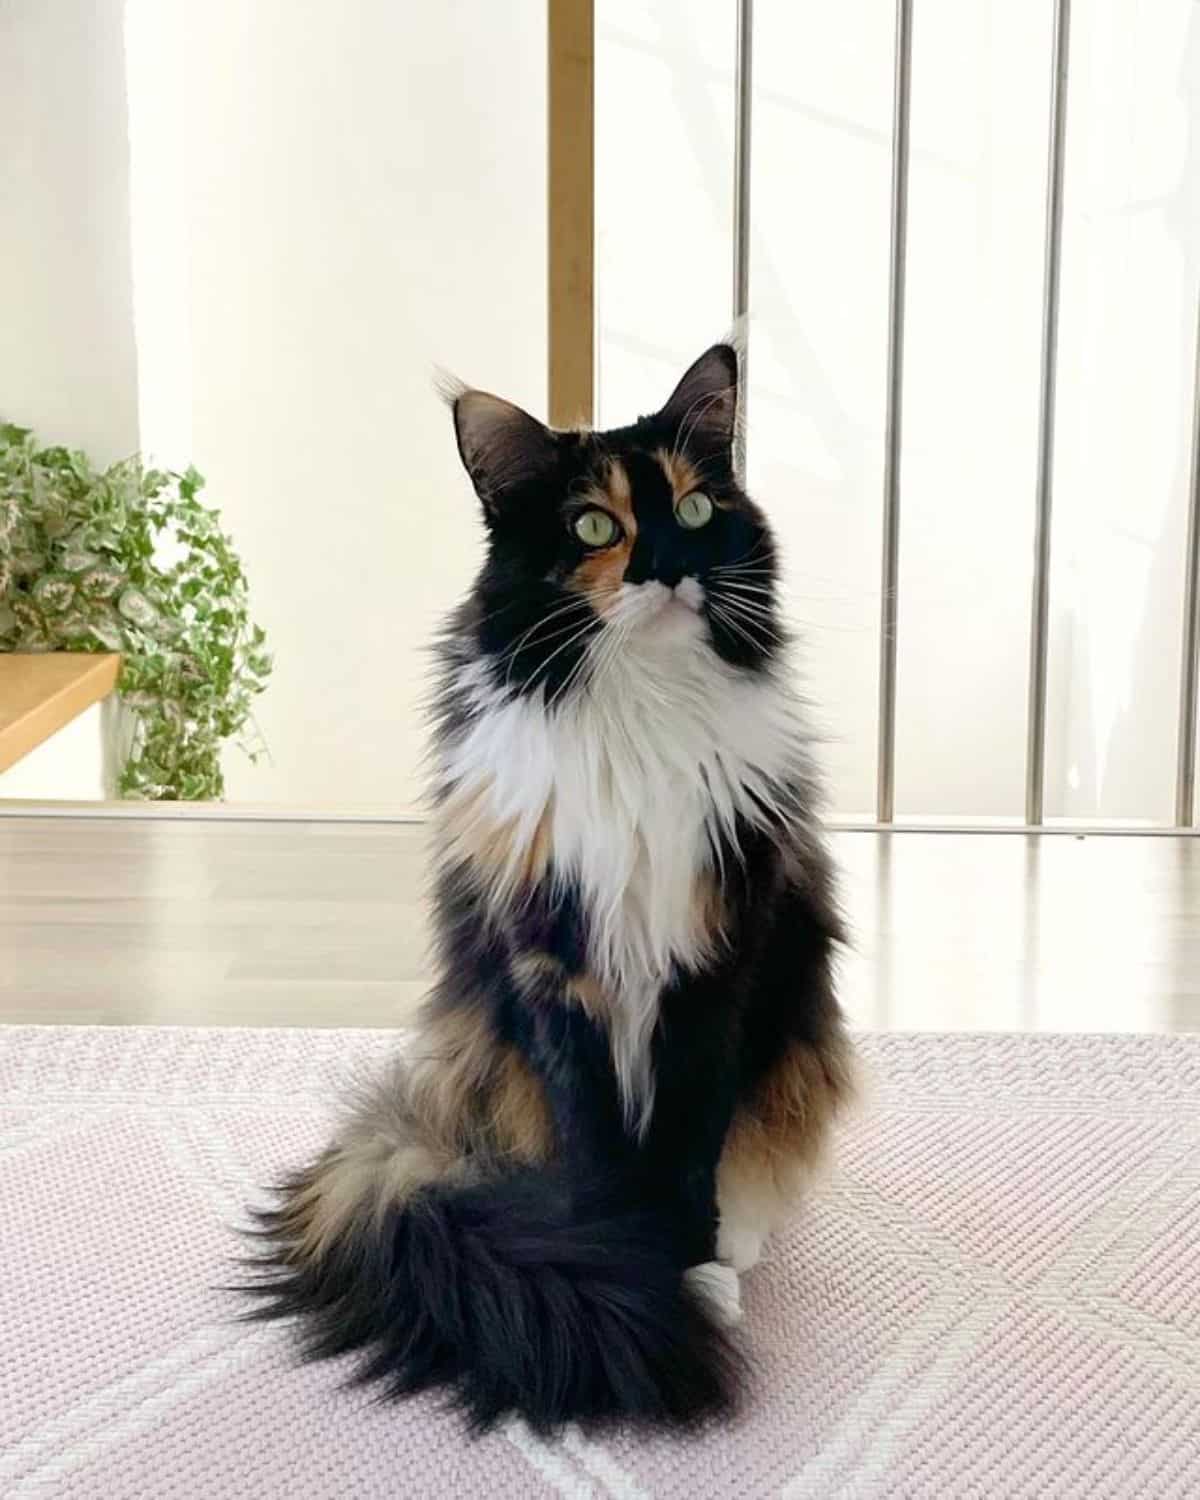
(595, 528)
(694, 510)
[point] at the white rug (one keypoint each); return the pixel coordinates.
(997, 1296)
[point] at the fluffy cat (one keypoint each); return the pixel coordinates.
(632, 1051)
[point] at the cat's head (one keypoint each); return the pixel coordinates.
(637, 539)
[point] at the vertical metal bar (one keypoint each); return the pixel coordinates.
(883, 969)
(885, 790)
(570, 210)
(1035, 748)
(1189, 667)
(741, 211)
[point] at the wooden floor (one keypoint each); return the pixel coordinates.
(315, 924)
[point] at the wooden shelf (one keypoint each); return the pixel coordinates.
(39, 693)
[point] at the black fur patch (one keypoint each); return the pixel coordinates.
(519, 1296)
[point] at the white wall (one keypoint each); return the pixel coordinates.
(67, 363)
(68, 367)
(365, 199)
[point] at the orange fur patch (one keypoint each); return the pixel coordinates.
(618, 494)
(537, 971)
(468, 830)
(464, 1095)
(777, 1139)
(533, 972)
(355, 1181)
(681, 474)
(708, 910)
(684, 477)
(475, 1093)
(590, 995)
(520, 1126)
(600, 575)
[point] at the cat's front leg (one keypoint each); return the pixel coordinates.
(568, 1051)
(694, 1215)
(797, 1076)
(696, 1070)
(671, 1172)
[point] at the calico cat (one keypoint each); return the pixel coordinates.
(633, 1050)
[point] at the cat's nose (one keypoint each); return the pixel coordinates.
(653, 566)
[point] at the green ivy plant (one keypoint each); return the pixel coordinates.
(130, 560)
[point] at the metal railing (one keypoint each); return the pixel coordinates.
(741, 205)
(1035, 750)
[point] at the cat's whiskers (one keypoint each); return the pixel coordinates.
(543, 670)
(598, 662)
(563, 608)
(586, 656)
(730, 624)
(750, 609)
(751, 570)
(493, 614)
(748, 593)
(759, 550)
(749, 590)
(742, 623)
(568, 609)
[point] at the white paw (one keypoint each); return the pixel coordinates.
(718, 1286)
(738, 1247)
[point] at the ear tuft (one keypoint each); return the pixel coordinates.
(503, 448)
(447, 386)
(704, 405)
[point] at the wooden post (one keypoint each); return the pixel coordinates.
(571, 210)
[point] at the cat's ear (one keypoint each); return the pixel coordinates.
(703, 406)
(503, 448)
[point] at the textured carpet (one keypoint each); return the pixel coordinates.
(996, 1295)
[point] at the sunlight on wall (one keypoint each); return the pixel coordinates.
(1131, 269)
(327, 205)
(67, 360)
(159, 107)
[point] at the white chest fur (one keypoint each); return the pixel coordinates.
(636, 775)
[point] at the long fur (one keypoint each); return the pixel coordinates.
(632, 1052)
(644, 779)
(516, 1294)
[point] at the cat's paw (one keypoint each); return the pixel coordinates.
(739, 1247)
(717, 1286)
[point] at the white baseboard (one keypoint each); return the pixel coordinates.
(210, 812)
(245, 812)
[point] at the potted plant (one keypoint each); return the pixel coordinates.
(131, 560)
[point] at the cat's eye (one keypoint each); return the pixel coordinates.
(595, 528)
(694, 510)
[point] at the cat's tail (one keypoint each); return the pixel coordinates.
(512, 1291)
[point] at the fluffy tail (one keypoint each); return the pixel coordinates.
(513, 1294)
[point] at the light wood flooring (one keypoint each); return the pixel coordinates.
(323, 924)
